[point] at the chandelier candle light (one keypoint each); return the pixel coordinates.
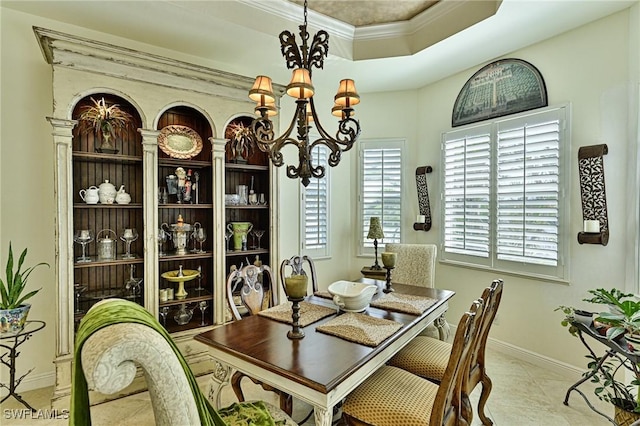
(302, 59)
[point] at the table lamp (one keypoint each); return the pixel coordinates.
(375, 233)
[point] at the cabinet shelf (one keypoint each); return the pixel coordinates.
(246, 167)
(232, 253)
(107, 206)
(96, 157)
(248, 207)
(185, 206)
(199, 296)
(192, 164)
(97, 263)
(188, 256)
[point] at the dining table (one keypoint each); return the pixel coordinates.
(320, 369)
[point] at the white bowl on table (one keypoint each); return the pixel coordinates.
(350, 296)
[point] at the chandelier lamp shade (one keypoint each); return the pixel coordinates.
(302, 59)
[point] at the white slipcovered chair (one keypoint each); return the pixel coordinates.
(416, 265)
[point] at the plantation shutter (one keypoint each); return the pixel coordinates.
(528, 190)
(467, 184)
(381, 191)
(316, 202)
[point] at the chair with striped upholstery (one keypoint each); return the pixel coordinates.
(392, 396)
(428, 357)
(416, 265)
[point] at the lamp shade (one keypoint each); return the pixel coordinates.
(262, 91)
(347, 95)
(300, 86)
(341, 112)
(375, 229)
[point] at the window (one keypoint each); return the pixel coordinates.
(503, 198)
(380, 189)
(315, 206)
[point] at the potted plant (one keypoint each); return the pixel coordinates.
(105, 120)
(621, 320)
(13, 310)
(240, 141)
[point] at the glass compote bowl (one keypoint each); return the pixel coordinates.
(83, 237)
(129, 236)
(203, 305)
(258, 233)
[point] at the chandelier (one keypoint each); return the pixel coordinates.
(302, 59)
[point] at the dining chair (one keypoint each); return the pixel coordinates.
(115, 339)
(253, 298)
(296, 266)
(393, 396)
(416, 265)
(428, 357)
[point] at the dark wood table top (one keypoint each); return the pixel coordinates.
(318, 361)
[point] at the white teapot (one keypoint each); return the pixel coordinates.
(107, 192)
(122, 197)
(89, 195)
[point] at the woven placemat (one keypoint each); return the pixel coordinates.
(360, 328)
(406, 303)
(323, 294)
(309, 313)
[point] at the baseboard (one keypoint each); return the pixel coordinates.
(37, 381)
(531, 357)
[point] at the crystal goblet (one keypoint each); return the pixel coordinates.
(83, 237)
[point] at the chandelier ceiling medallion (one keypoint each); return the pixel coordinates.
(302, 59)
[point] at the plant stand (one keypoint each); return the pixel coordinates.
(626, 358)
(9, 358)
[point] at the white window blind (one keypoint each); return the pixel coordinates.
(467, 168)
(381, 188)
(315, 205)
(503, 187)
(528, 187)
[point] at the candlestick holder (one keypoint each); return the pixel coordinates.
(296, 332)
(388, 288)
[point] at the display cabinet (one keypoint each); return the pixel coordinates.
(248, 204)
(108, 252)
(185, 203)
(133, 243)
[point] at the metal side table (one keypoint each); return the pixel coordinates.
(629, 360)
(10, 342)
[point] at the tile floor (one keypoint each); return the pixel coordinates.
(523, 395)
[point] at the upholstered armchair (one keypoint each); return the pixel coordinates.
(416, 265)
(109, 359)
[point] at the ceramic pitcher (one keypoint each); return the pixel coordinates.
(239, 230)
(90, 195)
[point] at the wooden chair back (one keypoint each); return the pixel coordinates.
(296, 266)
(448, 407)
(253, 296)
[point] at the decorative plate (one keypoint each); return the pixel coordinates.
(179, 142)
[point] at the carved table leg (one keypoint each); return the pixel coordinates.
(322, 416)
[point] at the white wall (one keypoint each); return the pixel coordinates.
(590, 69)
